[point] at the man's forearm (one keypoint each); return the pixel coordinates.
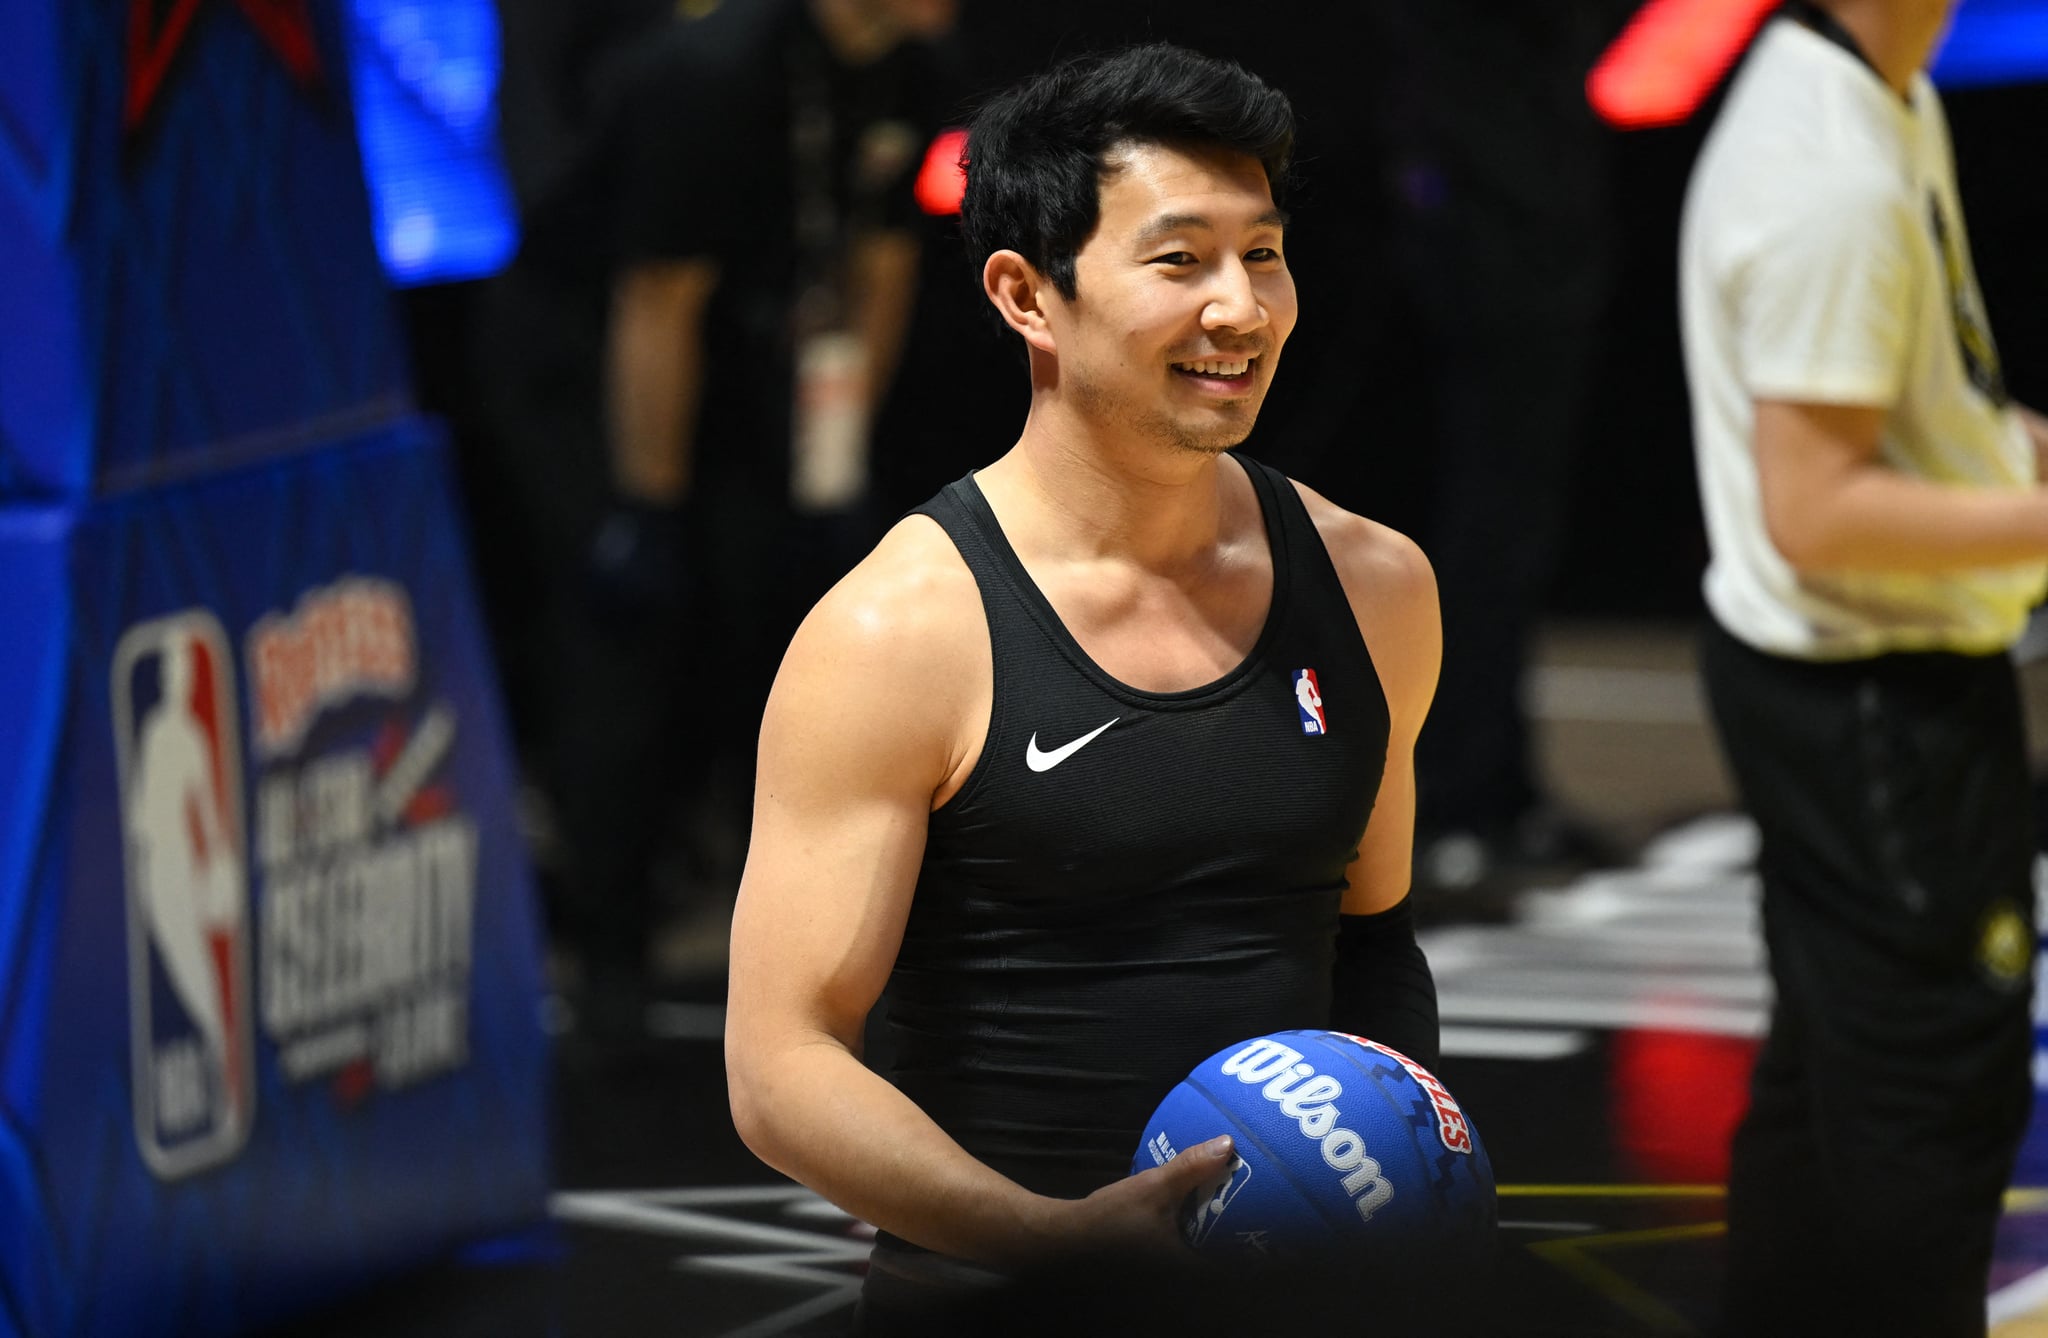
(1879, 519)
(820, 1116)
(1381, 986)
(884, 290)
(654, 374)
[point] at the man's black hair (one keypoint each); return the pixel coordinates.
(1036, 153)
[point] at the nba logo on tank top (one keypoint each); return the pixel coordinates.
(1308, 697)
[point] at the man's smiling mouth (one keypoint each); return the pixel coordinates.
(1221, 368)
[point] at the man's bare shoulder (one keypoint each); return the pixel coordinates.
(884, 679)
(1392, 590)
(909, 613)
(913, 587)
(1376, 562)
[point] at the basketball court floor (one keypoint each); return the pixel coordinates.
(1597, 1032)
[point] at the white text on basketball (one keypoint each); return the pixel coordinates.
(1309, 1099)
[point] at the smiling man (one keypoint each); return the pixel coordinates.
(1102, 760)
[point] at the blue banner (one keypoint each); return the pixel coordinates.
(185, 244)
(269, 962)
(1995, 42)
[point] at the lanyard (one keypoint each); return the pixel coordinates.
(813, 132)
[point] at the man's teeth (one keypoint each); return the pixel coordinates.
(1214, 368)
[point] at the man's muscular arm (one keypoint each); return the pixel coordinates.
(864, 728)
(1830, 503)
(1382, 986)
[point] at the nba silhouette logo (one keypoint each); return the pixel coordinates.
(1308, 698)
(1198, 1227)
(184, 838)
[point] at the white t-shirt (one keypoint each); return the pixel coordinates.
(1823, 260)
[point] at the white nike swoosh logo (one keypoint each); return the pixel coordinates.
(1042, 761)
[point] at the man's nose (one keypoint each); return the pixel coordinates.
(1233, 301)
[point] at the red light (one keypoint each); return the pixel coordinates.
(942, 181)
(1669, 58)
(1676, 1099)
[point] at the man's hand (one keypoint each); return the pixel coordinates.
(1140, 1217)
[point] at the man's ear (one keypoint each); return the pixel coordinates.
(1016, 287)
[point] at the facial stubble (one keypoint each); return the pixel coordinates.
(1106, 406)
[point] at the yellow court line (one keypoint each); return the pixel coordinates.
(2024, 1326)
(1647, 1236)
(1611, 1191)
(1575, 1257)
(2019, 1199)
(1654, 1315)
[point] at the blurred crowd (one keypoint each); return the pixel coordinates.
(740, 338)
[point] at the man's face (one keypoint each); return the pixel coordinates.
(1918, 16)
(1182, 298)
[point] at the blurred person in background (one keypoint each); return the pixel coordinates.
(1502, 246)
(734, 226)
(1878, 536)
(533, 471)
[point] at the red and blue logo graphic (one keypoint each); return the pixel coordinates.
(185, 839)
(1308, 698)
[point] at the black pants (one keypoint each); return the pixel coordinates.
(1890, 1099)
(668, 713)
(625, 725)
(1507, 412)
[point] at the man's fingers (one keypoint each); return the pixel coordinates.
(1202, 1164)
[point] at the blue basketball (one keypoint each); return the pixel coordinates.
(1341, 1143)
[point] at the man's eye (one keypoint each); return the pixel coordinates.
(1262, 255)
(1174, 258)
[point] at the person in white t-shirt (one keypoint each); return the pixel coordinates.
(1878, 537)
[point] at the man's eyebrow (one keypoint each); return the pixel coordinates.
(1168, 224)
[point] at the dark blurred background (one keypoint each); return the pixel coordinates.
(1487, 356)
(1347, 413)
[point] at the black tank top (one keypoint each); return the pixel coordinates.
(1128, 881)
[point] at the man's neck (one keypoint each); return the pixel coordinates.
(853, 31)
(1898, 39)
(1089, 495)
